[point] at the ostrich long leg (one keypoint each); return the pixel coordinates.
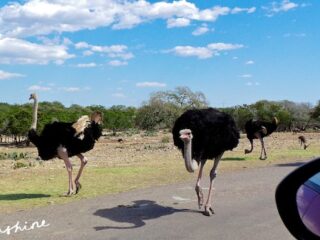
(83, 161)
(246, 151)
(263, 150)
(208, 211)
(198, 186)
(63, 154)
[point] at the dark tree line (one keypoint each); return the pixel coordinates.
(159, 112)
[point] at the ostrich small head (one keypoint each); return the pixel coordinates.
(186, 135)
(33, 96)
(97, 117)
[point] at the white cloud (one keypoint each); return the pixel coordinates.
(118, 95)
(117, 63)
(224, 46)
(19, 51)
(113, 51)
(209, 51)
(9, 75)
(42, 17)
(86, 65)
(277, 7)
(201, 30)
(298, 35)
(246, 76)
(87, 53)
(249, 62)
(189, 51)
(250, 84)
(71, 89)
(239, 10)
(151, 84)
(178, 22)
(39, 88)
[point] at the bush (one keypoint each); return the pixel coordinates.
(13, 156)
(19, 165)
(165, 139)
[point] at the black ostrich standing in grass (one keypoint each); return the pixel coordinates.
(203, 134)
(64, 140)
(258, 130)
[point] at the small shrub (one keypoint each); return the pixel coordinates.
(165, 139)
(13, 156)
(149, 134)
(19, 165)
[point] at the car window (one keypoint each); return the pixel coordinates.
(314, 182)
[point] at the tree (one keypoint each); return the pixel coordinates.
(119, 118)
(181, 97)
(164, 107)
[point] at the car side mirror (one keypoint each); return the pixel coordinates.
(298, 201)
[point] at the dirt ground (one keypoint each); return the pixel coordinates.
(126, 162)
(144, 148)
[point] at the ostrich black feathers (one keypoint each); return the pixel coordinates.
(61, 133)
(264, 128)
(213, 132)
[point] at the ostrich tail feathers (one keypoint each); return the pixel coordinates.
(33, 137)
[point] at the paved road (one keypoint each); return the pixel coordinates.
(244, 205)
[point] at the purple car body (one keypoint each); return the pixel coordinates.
(308, 201)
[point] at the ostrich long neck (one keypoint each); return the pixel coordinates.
(34, 115)
(191, 165)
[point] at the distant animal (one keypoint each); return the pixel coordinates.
(257, 129)
(296, 130)
(62, 140)
(203, 134)
(303, 142)
(120, 140)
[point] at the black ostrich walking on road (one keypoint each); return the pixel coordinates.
(64, 140)
(258, 130)
(203, 134)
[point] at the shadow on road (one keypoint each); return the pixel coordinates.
(19, 196)
(233, 159)
(135, 214)
(295, 164)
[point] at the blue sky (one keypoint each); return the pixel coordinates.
(115, 52)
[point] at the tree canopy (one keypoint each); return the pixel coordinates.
(159, 112)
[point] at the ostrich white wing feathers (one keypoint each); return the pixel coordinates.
(264, 129)
(82, 123)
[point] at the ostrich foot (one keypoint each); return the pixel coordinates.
(68, 194)
(261, 158)
(78, 187)
(246, 151)
(208, 211)
(200, 196)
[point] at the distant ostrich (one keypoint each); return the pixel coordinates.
(203, 134)
(64, 140)
(258, 130)
(303, 142)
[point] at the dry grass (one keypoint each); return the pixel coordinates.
(139, 161)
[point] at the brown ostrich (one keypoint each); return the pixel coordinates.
(303, 142)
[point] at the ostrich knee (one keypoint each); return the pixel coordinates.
(213, 175)
(69, 168)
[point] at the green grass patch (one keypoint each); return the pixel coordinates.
(29, 188)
